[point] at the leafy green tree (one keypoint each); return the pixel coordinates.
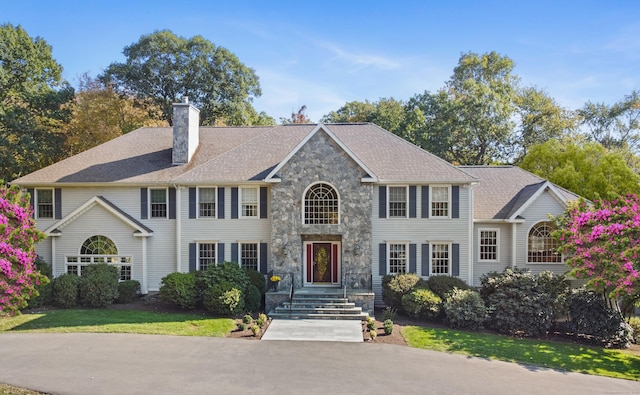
(615, 126)
(164, 67)
(34, 104)
(388, 113)
(586, 168)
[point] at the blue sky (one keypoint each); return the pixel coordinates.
(323, 54)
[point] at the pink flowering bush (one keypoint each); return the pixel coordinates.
(602, 244)
(18, 236)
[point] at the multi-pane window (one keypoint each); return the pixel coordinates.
(397, 202)
(249, 256)
(44, 203)
(488, 245)
(99, 249)
(207, 202)
(206, 255)
(440, 259)
(158, 203)
(543, 248)
(321, 205)
(440, 201)
(249, 202)
(397, 258)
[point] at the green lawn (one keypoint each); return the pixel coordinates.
(118, 321)
(555, 355)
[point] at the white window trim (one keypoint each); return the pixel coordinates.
(117, 264)
(450, 265)
(406, 201)
(215, 198)
(166, 199)
(527, 248)
(241, 243)
(431, 201)
(215, 257)
(406, 258)
(304, 195)
(497, 230)
(240, 210)
(35, 203)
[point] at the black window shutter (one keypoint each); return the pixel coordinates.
(263, 258)
(143, 203)
(455, 260)
(32, 199)
(425, 260)
(412, 201)
(234, 253)
(412, 258)
(220, 252)
(234, 202)
(425, 202)
(455, 201)
(263, 202)
(192, 257)
(383, 259)
(193, 204)
(220, 202)
(382, 210)
(58, 203)
(172, 203)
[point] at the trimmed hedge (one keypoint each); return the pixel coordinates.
(465, 309)
(65, 291)
(443, 285)
(128, 291)
(98, 285)
(45, 290)
(252, 298)
(394, 287)
(224, 298)
(421, 303)
(179, 289)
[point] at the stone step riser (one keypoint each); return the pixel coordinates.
(359, 317)
(306, 304)
(319, 310)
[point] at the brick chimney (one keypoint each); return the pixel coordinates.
(186, 131)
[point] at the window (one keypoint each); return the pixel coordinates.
(542, 247)
(207, 202)
(249, 202)
(440, 259)
(440, 202)
(44, 203)
(158, 203)
(99, 249)
(397, 202)
(206, 255)
(488, 244)
(249, 256)
(321, 205)
(397, 258)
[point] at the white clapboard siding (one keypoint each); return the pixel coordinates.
(504, 250)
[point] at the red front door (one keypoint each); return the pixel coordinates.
(322, 263)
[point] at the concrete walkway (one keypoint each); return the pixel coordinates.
(315, 330)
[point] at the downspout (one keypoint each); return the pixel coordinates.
(178, 227)
(514, 248)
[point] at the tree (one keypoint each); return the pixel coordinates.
(297, 117)
(34, 104)
(602, 244)
(614, 126)
(100, 114)
(388, 113)
(18, 235)
(164, 67)
(586, 168)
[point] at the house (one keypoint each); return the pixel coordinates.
(337, 205)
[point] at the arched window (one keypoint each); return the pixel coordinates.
(99, 249)
(98, 245)
(321, 205)
(542, 247)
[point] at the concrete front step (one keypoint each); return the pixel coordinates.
(318, 316)
(318, 306)
(300, 303)
(320, 310)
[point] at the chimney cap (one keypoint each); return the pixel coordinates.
(185, 99)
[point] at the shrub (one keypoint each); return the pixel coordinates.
(443, 285)
(373, 334)
(65, 290)
(179, 289)
(388, 327)
(252, 298)
(389, 313)
(223, 298)
(262, 319)
(255, 329)
(229, 272)
(98, 285)
(45, 288)
(421, 303)
(371, 323)
(465, 309)
(241, 326)
(128, 291)
(394, 287)
(591, 316)
(247, 319)
(258, 280)
(634, 323)
(517, 303)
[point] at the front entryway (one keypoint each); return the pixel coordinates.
(322, 263)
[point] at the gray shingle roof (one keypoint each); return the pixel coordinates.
(238, 154)
(503, 190)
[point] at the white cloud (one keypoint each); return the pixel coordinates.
(359, 60)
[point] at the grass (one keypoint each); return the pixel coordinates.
(118, 321)
(548, 354)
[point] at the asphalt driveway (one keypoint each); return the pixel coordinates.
(147, 364)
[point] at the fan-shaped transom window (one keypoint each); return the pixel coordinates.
(98, 245)
(321, 205)
(99, 249)
(542, 247)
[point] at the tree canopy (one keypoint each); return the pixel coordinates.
(163, 67)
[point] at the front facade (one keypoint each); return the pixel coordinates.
(337, 205)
